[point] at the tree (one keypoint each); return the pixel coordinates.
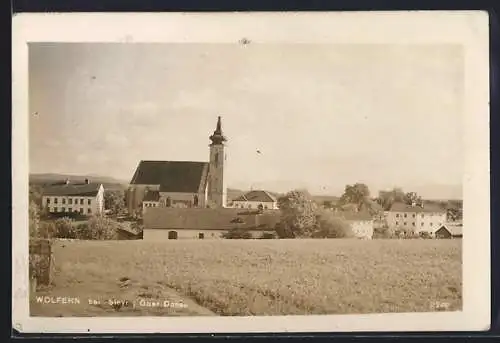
(387, 198)
(412, 198)
(330, 226)
(297, 215)
(355, 194)
(34, 220)
(114, 201)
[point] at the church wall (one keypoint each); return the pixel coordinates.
(182, 197)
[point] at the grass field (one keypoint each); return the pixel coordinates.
(249, 277)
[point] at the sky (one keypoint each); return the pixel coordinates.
(322, 116)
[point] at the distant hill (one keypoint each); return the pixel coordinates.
(109, 183)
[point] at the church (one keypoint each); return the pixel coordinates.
(181, 184)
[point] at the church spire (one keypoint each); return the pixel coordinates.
(218, 137)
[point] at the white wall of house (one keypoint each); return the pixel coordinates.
(362, 228)
(85, 205)
(162, 234)
(417, 221)
(255, 204)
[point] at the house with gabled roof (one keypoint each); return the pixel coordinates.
(255, 199)
(85, 198)
(202, 223)
(415, 218)
(187, 184)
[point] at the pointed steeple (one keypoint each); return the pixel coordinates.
(218, 137)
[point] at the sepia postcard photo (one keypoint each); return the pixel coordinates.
(251, 172)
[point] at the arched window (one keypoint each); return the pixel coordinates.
(172, 235)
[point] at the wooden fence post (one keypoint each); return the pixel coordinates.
(41, 262)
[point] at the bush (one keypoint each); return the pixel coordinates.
(330, 226)
(237, 234)
(63, 228)
(384, 232)
(297, 215)
(98, 228)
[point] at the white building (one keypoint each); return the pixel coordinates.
(254, 199)
(84, 198)
(415, 218)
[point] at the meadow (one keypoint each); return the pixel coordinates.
(255, 277)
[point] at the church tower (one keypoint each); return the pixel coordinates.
(217, 190)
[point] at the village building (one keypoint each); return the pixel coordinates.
(449, 230)
(415, 218)
(84, 198)
(202, 223)
(255, 199)
(182, 184)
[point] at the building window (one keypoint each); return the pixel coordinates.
(422, 215)
(201, 235)
(413, 215)
(81, 201)
(81, 210)
(397, 223)
(405, 215)
(64, 209)
(63, 201)
(76, 201)
(405, 224)
(89, 210)
(70, 201)
(70, 209)
(430, 224)
(89, 202)
(55, 200)
(48, 201)
(422, 224)
(413, 224)
(397, 215)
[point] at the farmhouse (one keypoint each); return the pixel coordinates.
(85, 198)
(449, 230)
(202, 223)
(255, 199)
(417, 218)
(184, 184)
